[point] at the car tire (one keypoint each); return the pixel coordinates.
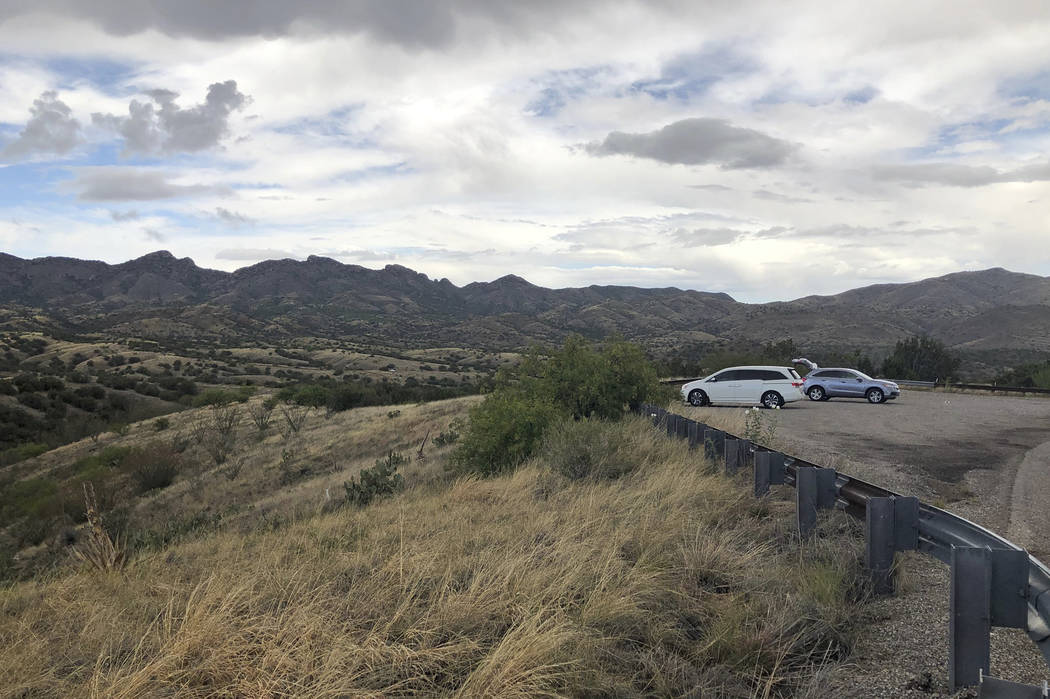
(698, 398)
(817, 393)
(772, 399)
(875, 395)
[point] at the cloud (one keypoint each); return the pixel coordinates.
(255, 254)
(232, 217)
(161, 126)
(699, 141)
(766, 195)
(124, 215)
(960, 175)
(51, 129)
(154, 235)
(131, 184)
(413, 24)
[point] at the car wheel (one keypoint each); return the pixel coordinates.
(698, 398)
(817, 393)
(875, 395)
(772, 399)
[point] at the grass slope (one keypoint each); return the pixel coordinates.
(670, 580)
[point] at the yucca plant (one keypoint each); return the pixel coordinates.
(98, 550)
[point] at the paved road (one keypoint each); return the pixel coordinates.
(984, 457)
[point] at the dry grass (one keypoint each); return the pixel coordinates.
(664, 582)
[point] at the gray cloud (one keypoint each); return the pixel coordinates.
(161, 126)
(774, 196)
(153, 235)
(124, 215)
(51, 129)
(960, 175)
(706, 236)
(699, 141)
(232, 217)
(407, 22)
(131, 184)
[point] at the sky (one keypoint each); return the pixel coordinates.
(769, 150)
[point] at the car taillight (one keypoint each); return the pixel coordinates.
(797, 384)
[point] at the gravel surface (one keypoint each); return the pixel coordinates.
(985, 458)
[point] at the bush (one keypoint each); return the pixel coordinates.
(152, 467)
(383, 479)
(505, 429)
(587, 449)
(449, 436)
(161, 424)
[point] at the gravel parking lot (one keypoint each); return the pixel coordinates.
(984, 457)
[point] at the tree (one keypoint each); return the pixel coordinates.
(920, 358)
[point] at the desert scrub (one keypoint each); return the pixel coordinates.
(665, 582)
(382, 479)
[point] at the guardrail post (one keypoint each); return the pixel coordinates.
(714, 443)
(732, 454)
(969, 622)
(683, 427)
(806, 500)
(891, 524)
(769, 470)
(879, 544)
(672, 424)
(814, 490)
(696, 434)
(1009, 603)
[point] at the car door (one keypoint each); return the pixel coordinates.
(749, 387)
(835, 383)
(852, 385)
(720, 386)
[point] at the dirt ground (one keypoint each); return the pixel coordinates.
(983, 457)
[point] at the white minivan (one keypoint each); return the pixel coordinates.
(768, 386)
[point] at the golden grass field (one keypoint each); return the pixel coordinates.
(668, 581)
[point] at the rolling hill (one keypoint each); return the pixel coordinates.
(160, 297)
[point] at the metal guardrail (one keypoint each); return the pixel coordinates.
(1012, 588)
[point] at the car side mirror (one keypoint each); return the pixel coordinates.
(860, 380)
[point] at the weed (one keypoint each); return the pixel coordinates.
(152, 467)
(261, 414)
(294, 417)
(393, 413)
(97, 549)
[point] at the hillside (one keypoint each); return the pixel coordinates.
(165, 299)
(666, 581)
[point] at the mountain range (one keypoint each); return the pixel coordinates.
(160, 297)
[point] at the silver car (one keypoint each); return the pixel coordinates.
(822, 384)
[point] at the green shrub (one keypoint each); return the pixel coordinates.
(450, 435)
(28, 451)
(587, 449)
(32, 497)
(505, 429)
(383, 479)
(161, 424)
(223, 396)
